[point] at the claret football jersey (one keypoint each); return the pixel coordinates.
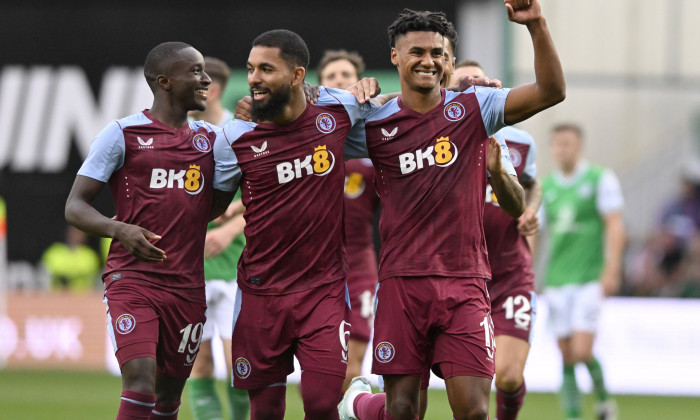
(292, 179)
(430, 174)
(507, 248)
(161, 180)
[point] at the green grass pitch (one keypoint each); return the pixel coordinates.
(33, 395)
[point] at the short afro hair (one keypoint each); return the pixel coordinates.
(419, 21)
(292, 47)
(159, 56)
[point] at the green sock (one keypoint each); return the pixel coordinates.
(596, 371)
(204, 400)
(569, 394)
(239, 403)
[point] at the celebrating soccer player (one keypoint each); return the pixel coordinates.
(291, 278)
(160, 171)
(431, 177)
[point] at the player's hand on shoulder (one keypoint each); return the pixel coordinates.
(243, 109)
(311, 92)
(365, 89)
(529, 222)
(468, 81)
(523, 11)
(137, 241)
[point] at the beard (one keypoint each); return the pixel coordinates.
(274, 106)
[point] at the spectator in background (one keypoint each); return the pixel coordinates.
(72, 265)
(666, 265)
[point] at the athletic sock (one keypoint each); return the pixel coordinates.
(239, 403)
(204, 399)
(596, 371)
(570, 394)
(508, 403)
(136, 405)
(371, 407)
(165, 412)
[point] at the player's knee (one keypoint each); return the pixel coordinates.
(403, 409)
(320, 409)
(582, 355)
(509, 378)
(138, 376)
(472, 412)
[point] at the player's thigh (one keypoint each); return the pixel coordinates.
(401, 345)
(464, 345)
(560, 303)
(132, 321)
(514, 313)
(586, 308)
(181, 327)
(511, 355)
(222, 308)
(227, 354)
(468, 396)
(204, 363)
(264, 335)
(324, 330)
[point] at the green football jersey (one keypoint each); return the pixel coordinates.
(225, 265)
(576, 228)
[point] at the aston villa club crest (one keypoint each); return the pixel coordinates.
(125, 323)
(384, 352)
(325, 123)
(454, 111)
(242, 367)
(201, 143)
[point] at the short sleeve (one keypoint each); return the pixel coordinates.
(356, 111)
(106, 154)
(492, 103)
(530, 170)
(609, 199)
(227, 172)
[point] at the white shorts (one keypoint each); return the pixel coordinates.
(574, 308)
(221, 296)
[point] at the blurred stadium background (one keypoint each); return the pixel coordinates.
(633, 83)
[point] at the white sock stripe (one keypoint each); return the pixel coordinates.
(160, 413)
(277, 384)
(145, 404)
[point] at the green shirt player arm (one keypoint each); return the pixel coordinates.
(220, 237)
(614, 247)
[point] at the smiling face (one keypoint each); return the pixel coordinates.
(270, 79)
(187, 79)
(339, 74)
(419, 57)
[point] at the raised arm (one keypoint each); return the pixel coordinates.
(81, 213)
(549, 87)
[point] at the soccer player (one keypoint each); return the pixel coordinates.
(583, 214)
(291, 277)
(340, 69)
(160, 170)
(222, 249)
(512, 286)
(432, 303)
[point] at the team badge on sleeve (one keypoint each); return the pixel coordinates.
(325, 123)
(242, 367)
(515, 157)
(384, 353)
(125, 323)
(454, 111)
(201, 143)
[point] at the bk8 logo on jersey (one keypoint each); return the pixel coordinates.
(444, 153)
(191, 179)
(321, 163)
